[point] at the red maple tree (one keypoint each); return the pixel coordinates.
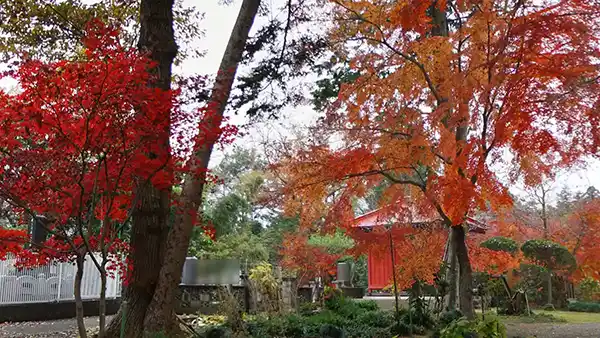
(306, 260)
(75, 138)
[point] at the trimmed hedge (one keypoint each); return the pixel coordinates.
(584, 307)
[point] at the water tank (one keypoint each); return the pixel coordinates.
(344, 272)
(190, 271)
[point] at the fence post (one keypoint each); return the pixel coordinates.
(60, 277)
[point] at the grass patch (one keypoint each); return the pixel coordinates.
(541, 316)
(536, 317)
(575, 317)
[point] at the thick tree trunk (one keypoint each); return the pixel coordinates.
(148, 233)
(77, 294)
(162, 307)
(465, 273)
(149, 218)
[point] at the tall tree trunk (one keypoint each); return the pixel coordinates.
(162, 306)
(149, 218)
(440, 27)
(465, 273)
(452, 272)
(77, 294)
(102, 303)
(549, 287)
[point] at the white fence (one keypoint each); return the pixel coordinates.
(51, 283)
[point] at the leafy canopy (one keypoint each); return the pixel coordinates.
(549, 254)
(445, 91)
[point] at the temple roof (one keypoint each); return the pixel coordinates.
(378, 217)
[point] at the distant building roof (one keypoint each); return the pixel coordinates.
(378, 217)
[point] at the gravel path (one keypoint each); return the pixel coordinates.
(50, 329)
(553, 330)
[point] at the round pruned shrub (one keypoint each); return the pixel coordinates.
(500, 243)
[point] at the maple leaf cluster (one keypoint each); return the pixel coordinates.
(73, 131)
(78, 136)
(493, 262)
(306, 260)
(11, 242)
(581, 236)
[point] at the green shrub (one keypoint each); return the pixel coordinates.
(369, 332)
(306, 309)
(217, 331)
(418, 318)
(491, 327)
(378, 319)
(328, 317)
(334, 299)
(501, 244)
(368, 305)
(401, 329)
(331, 331)
(340, 317)
(448, 317)
(541, 318)
(584, 307)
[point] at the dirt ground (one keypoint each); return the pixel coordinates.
(64, 328)
(552, 330)
(67, 329)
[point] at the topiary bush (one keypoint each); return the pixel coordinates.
(583, 307)
(500, 243)
(552, 256)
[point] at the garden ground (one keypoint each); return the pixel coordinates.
(577, 325)
(64, 328)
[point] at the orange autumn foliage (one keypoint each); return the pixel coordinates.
(581, 235)
(504, 78)
(306, 260)
(491, 261)
(439, 110)
(419, 257)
